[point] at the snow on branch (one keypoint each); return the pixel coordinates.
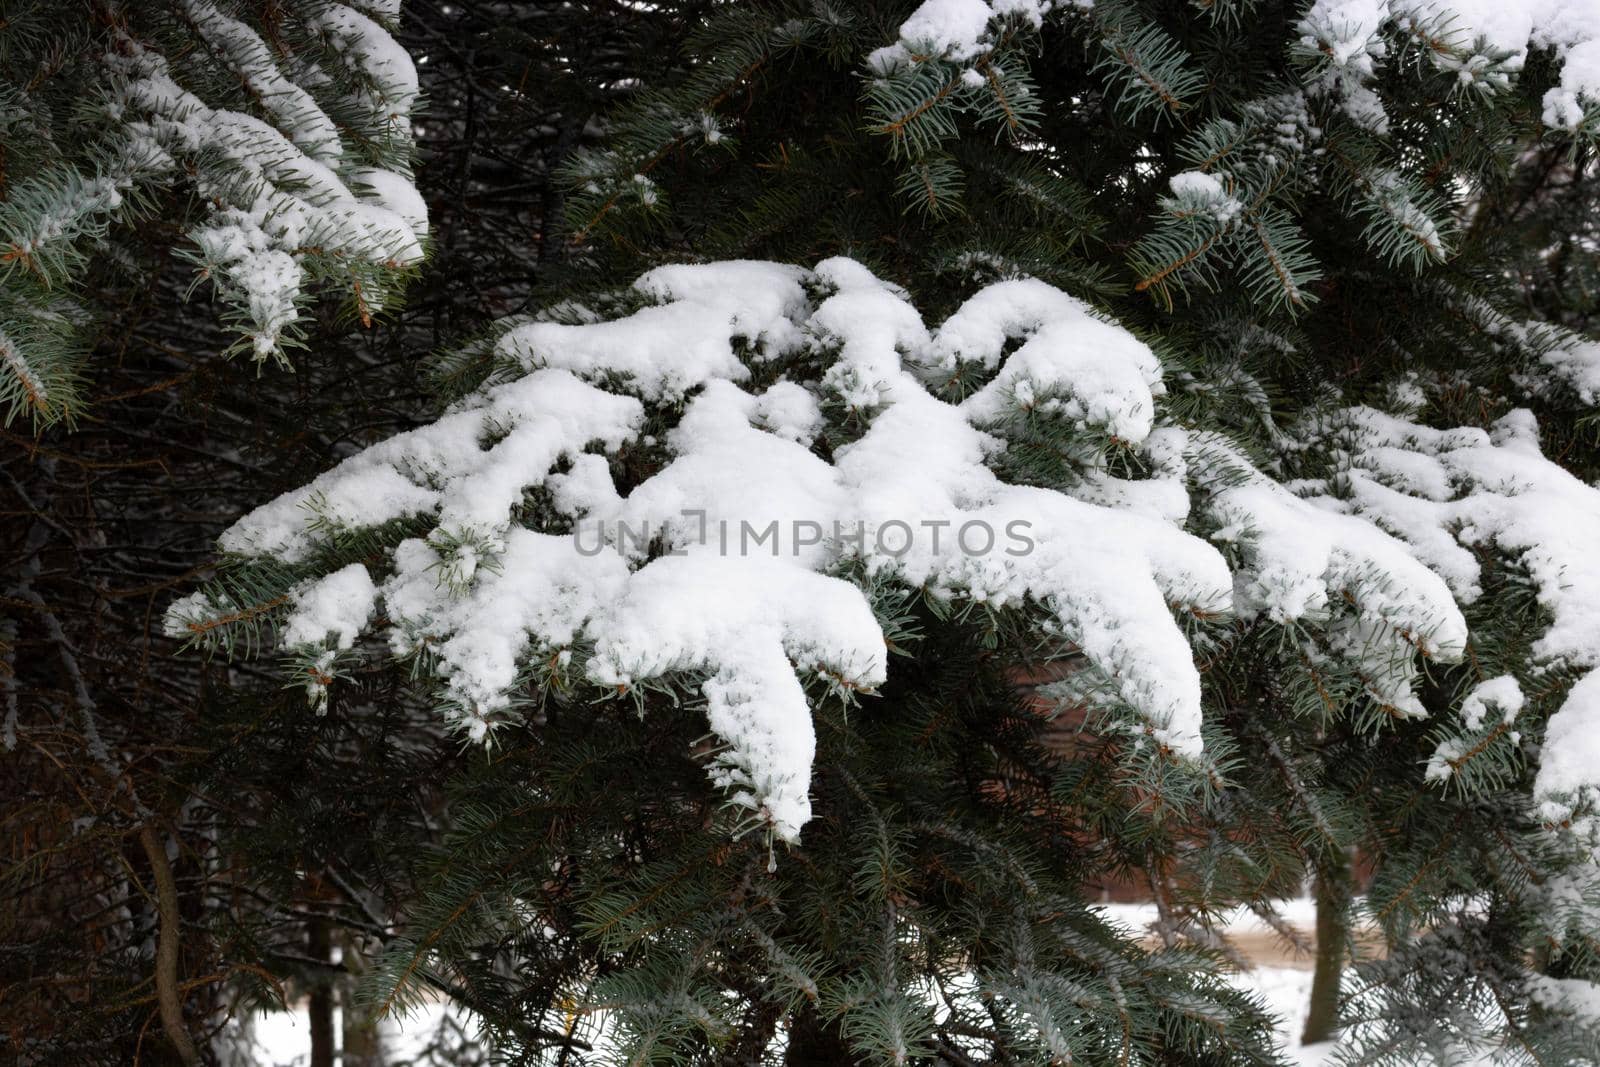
(912, 498)
(290, 193)
(1451, 494)
(1376, 605)
(706, 492)
(301, 176)
(955, 30)
(1483, 43)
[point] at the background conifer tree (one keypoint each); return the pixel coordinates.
(108, 511)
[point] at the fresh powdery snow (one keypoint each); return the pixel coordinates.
(742, 563)
(1483, 43)
(956, 30)
(1450, 492)
(1489, 41)
(1299, 558)
(281, 186)
(1195, 191)
(1503, 694)
(1575, 361)
(336, 607)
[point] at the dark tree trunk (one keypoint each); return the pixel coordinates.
(321, 1008)
(1333, 939)
(363, 1043)
(754, 1037)
(814, 1042)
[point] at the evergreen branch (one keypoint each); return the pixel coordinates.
(1157, 279)
(582, 232)
(420, 952)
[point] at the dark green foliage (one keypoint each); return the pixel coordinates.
(943, 866)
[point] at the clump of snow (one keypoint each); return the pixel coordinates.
(185, 614)
(1004, 311)
(1073, 366)
(538, 596)
(751, 624)
(950, 28)
(445, 469)
(1502, 694)
(1449, 492)
(1299, 556)
(1195, 191)
(1569, 763)
(1576, 361)
(956, 30)
(334, 608)
(752, 302)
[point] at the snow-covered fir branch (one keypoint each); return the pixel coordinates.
(293, 137)
(798, 437)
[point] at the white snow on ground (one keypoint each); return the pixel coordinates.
(1287, 991)
(283, 1038)
(1284, 986)
(1300, 912)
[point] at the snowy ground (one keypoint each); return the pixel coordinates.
(283, 1038)
(1282, 980)
(1287, 991)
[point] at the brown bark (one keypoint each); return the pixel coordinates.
(169, 998)
(1333, 940)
